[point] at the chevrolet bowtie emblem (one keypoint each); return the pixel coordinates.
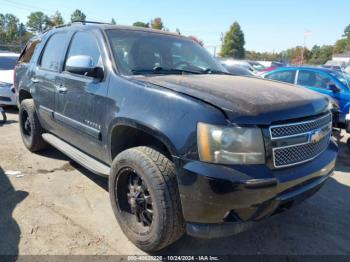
(316, 135)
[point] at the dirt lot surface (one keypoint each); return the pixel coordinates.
(54, 206)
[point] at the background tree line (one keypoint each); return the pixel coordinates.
(14, 34)
(233, 46)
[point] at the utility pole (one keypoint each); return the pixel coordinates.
(306, 33)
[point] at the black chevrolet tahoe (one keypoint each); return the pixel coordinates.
(187, 147)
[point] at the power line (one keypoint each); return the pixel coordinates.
(27, 7)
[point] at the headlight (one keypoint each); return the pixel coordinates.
(230, 145)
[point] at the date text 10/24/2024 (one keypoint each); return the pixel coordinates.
(173, 258)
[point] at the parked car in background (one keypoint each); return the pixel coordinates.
(252, 66)
(238, 70)
(347, 70)
(268, 64)
(256, 65)
(334, 65)
(329, 82)
(7, 65)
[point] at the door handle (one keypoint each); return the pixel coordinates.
(61, 89)
(35, 80)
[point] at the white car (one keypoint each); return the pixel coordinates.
(347, 69)
(7, 65)
(228, 62)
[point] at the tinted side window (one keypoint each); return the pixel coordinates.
(287, 76)
(314, 79)
(51, 57)
(84, 43)
(28, 52)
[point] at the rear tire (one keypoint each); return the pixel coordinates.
(30, 127)
(145, 199)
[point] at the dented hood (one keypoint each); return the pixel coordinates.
(246, 100)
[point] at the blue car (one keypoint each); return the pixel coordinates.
(333, 83)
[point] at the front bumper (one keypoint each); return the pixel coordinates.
(7, 97)
(218, 194)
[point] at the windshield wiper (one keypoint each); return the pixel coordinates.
(161, 70)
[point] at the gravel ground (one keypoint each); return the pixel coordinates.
(57, 207)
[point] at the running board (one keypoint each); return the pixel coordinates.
(78, 156)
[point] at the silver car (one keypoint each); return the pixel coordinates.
(7, 64)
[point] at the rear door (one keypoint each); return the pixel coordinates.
(81, 99)
(46, 77)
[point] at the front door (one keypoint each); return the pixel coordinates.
(81, 99)
(318, 82)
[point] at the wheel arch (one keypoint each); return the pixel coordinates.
(125, 133)
(23, 94)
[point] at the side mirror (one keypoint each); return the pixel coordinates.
(333, 87)
(83, 65)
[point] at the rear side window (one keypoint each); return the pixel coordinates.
(28, 52)
(287, 76)
(51, 56)
(84, 43)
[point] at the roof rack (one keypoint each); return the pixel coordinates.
(89, 22)
(82, 22)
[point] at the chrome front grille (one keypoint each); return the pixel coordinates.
(281, 131)
(315, 134)
(296, 154)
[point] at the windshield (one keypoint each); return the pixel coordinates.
(342, 77)
(139, 52)
(8, 62)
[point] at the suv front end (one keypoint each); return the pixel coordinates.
(253, 176)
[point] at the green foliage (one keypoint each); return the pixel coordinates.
(113, 22)
(296, 55)
(157, 23)
(56, 19)
(342, 45)
(13, 34)
(233, 45)
(77, 15)
(38, 22)
(9, 25)
(321, 55)
(140, 24)
(252, 55)
(347, 32)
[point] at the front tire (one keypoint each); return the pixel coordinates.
(30, 127)
(145, 198)
(3, 117)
